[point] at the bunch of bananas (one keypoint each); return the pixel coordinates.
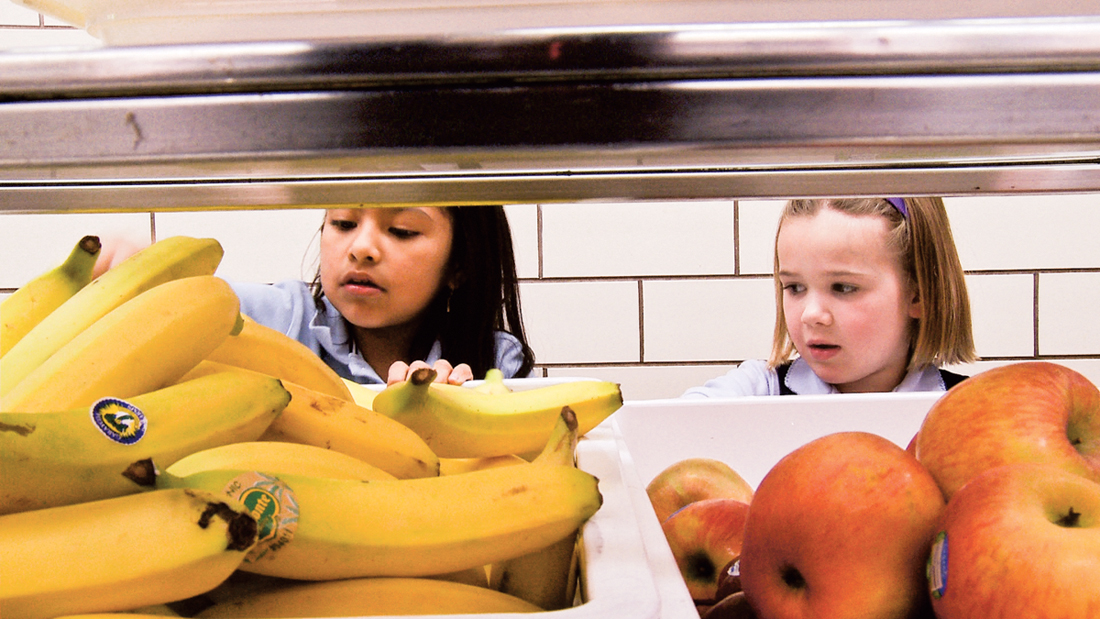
(163, 454)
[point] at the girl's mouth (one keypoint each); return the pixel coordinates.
(822, 352)
(361, 284)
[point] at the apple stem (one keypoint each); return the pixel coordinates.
(1070, 520)
(793, 578)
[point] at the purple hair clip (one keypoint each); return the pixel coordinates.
(899, 203)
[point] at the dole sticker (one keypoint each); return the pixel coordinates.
(119, 420)
(273, 504)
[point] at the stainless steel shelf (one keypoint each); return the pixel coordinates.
(733, 110)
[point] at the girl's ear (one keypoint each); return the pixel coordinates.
(456, 279)
(916, 306)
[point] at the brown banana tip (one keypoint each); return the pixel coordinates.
(91, 244)
(570, 417)
(243, 531)
(422, 376)
(242, 528)
(142, 472)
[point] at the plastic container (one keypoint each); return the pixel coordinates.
(749, 434)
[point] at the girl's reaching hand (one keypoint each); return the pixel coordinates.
(114, 249)
(444, 372)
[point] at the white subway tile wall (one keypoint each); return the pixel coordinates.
(659, 296)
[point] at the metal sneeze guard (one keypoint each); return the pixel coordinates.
(956, 106)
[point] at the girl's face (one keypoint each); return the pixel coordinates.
(848, 305)
(381, 267)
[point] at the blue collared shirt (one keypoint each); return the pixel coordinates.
(288, 307)
(754, 377)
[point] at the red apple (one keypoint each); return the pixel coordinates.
(1019, 541)
(694, 479)
(704, 536)
(841, 528)
(1024, 412)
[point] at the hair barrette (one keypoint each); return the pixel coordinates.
(899, 203)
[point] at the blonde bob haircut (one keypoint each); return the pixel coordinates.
(923, 243)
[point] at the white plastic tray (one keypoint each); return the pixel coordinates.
(749, 434)
(617, 580)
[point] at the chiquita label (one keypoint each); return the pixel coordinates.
(119, 420)
(937, 566)
(272, 503)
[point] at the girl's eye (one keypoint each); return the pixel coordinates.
(844, 288)
(342, 224)
(793, 288)
(403, 233)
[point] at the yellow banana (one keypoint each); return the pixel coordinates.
(171, 258)
(269, 351)
(547, 576)
(321, 420)
(313, 418)
(315, 528)
(66, 457)
(121, 553)
(277, 458)
(145, 344)
(493, 383)
(33, 301)
(361, 394)
(561, 447)
(460, 422)
(477, 576)
(365, 597)
(456, 466)
(243, 585)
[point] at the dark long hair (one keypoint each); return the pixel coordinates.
(484, 300)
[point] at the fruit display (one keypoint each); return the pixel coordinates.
(702, 505)
(164, 455)
(368, 597)
(704, 536)
(266, 350)
(694, 479)
(71, 456)
(169, 259)
(26, 307)
(841, 527)
(120, 553)
(1025, 412)
(1006, 519)
(991, 510)
(458, 422)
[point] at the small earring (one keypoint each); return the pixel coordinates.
(450, 293)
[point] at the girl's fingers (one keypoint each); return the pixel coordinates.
(460, 374)
(399, 372)
(444, 371)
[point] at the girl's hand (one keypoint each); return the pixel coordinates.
(113, 250)
(444, 372)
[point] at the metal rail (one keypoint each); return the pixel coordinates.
(735, 110)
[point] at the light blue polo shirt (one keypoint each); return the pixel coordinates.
(754, 377)
(288, 307)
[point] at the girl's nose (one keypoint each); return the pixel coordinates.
(365, 246)
(814, 312)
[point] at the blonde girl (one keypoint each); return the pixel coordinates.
(870, 297)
